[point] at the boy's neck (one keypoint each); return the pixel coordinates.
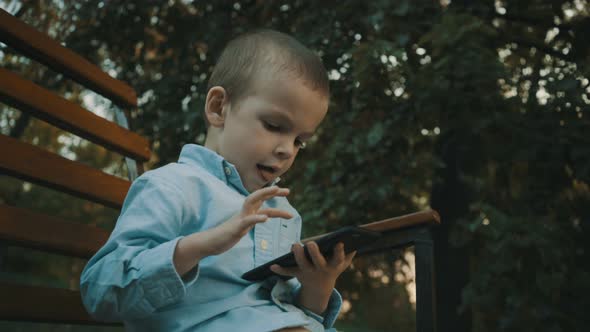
(211, 141)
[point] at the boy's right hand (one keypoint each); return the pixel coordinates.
(226, 235)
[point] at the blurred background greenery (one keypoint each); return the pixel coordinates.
(479, 109)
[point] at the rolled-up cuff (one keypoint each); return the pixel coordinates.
(329, 316)
(333, 309)
(161, 283)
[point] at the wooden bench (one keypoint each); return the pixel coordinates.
(20, 302)
(27, 162)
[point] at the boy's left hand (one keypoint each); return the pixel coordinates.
(318, 274)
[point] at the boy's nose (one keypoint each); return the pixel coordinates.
(285, 150)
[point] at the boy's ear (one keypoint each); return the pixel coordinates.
(216, 106)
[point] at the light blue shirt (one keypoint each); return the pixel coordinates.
(132, 277)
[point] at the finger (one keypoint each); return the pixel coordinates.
(263, 194)
(275, 213)
(285, 271)
(316, 256)
(349, 258)
(339, 255)
(300, 258)
(253, 219)
(280, 192)
(257, 196)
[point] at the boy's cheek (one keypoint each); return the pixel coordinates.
(290, 165)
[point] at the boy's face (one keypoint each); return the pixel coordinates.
(262, 133)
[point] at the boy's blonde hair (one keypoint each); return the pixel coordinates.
(252, 53)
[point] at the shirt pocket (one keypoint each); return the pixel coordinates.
(288, 235)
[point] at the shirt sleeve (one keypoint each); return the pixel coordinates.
(133, 274)
(329, 316)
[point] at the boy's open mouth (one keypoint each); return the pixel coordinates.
(266, 172)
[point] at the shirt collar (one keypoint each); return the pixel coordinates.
(215, 164)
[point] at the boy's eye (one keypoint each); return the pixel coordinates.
(271, 126)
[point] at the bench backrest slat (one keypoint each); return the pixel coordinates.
(40, 47)
(34, 230)
(426, 217)
(41, 103)
(42, 304)
(34, 164)
(417, 219)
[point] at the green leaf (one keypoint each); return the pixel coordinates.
(375, 134)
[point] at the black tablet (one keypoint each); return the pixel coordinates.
(353, 238)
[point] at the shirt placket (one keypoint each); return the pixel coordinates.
(264, 246)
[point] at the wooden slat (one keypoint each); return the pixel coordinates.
(16, 92)
(41, 304)
(34, 164)
(44, 49)
(33, 230)
(427, 217)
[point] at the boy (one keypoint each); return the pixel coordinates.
(189, 230)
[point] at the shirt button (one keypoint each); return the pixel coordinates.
(264, 244)
(227, 171)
